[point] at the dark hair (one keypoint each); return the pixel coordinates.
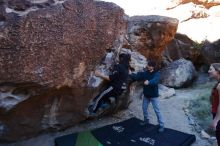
(216, 66)
(151, 63)
(124, 59)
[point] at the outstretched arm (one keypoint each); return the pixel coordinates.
(155, 80)
(137, 77)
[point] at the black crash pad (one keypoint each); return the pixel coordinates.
(127, 133)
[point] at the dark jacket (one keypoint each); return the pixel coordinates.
(119, 76)
(150, 90)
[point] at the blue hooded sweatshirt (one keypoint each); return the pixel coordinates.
(150, 90)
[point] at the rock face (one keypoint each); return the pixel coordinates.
(46, 58)
(182, 47)
(150, 34)
(49, 50)
(211, 52)
(178, 74)
(165, 92)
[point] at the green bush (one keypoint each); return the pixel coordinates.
(200, 107)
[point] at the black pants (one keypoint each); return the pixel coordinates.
(104, 96)
(217, 132)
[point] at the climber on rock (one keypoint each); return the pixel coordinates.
(116, 85)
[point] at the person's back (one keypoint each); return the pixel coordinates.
(120, 80)
(117, 83)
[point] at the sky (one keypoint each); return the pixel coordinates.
(140, 7)
(197, 32)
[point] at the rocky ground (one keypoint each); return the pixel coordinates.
(175, 110)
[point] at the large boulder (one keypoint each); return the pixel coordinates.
(150, 34)
(211, 52)
(165, 92)
(179, 73)
(46, 59)
(182, 47)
